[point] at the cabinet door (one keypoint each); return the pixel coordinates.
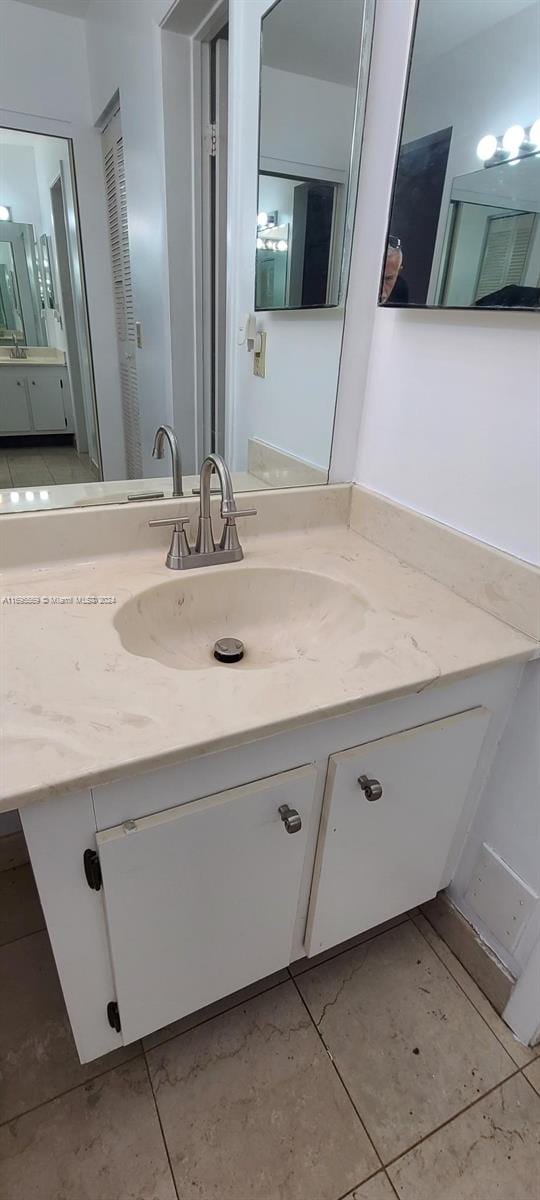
(14, 407)
(202, 899)
(380, 854)
(45, 386)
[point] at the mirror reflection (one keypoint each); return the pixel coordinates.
(310, 60)
(132, 295)
(464, 226)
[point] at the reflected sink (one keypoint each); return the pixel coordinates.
(279, 614)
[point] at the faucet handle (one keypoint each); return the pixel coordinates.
(172, 521)
(229, 512)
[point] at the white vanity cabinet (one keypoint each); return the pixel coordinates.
(34, 399)
(15, 416)
(201, 899)
(167, 890)
(390, 811)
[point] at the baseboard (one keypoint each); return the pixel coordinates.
(492, 977)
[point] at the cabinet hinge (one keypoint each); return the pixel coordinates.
(92, 869)
(210, 140)
(113, 1016)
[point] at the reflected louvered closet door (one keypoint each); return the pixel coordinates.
(115, 187)
(506, 252)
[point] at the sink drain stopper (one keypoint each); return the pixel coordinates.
(229, 650)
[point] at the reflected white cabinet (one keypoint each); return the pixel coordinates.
(390, 813)
(35, 399)
(201, 899)
(48, 391)
(14, 405)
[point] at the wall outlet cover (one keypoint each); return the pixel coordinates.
(502, 900)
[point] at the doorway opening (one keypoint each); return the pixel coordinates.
(48, 426)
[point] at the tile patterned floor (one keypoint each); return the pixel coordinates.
(377, 1073)
(42, 466)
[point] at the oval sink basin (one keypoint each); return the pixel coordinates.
(279, 614)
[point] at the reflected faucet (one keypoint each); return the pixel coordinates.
(166, 433)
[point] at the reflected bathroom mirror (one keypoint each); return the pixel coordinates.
(129, 293)
(464, 228)
(310, 62)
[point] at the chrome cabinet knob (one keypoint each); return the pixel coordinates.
(291, 818)
(371, 787)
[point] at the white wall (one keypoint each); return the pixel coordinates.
(508, 817)
(445, 405)
(306, 120)
(303, 349)
(19, 183)
(44, 88)
(447, 401)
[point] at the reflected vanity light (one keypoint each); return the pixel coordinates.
(5, 213)
(44, 495)
(14, 497)
(29, 496)
(514, 144)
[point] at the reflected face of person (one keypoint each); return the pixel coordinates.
(394, 259)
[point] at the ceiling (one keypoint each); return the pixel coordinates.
(444, 24)
(69, 8)
(314, 37)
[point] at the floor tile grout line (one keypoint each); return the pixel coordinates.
(350, 1193)
(517, 1070)
(340, 1077)
(403, 1154)
(362, 941)
(205, 1020)
(462, 990)
(22, 936)
(162, 1131)
(67, 1091)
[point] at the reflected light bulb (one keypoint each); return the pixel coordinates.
(281, 245)
(513, 138)
(260, 244)
(29, 496)
(534, 133)
(486, 147)
(262, 219)
(5, 214)
(14, 497)
(44, 495)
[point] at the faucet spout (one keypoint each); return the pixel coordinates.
(165, 433)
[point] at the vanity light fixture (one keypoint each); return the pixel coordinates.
(514, 144)
(513, 139)
(533, 136)
(5, 212)
(487, 147)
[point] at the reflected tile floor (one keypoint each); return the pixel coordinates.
(380, 1072)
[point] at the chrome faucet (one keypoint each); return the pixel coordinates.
(166, 433)
(204, 553)
(16, 350)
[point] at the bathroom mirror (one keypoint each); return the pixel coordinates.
(464, 227)
(129, 294)
(310, 62)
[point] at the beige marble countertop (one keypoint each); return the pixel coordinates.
(79, 709)
(41, 356)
